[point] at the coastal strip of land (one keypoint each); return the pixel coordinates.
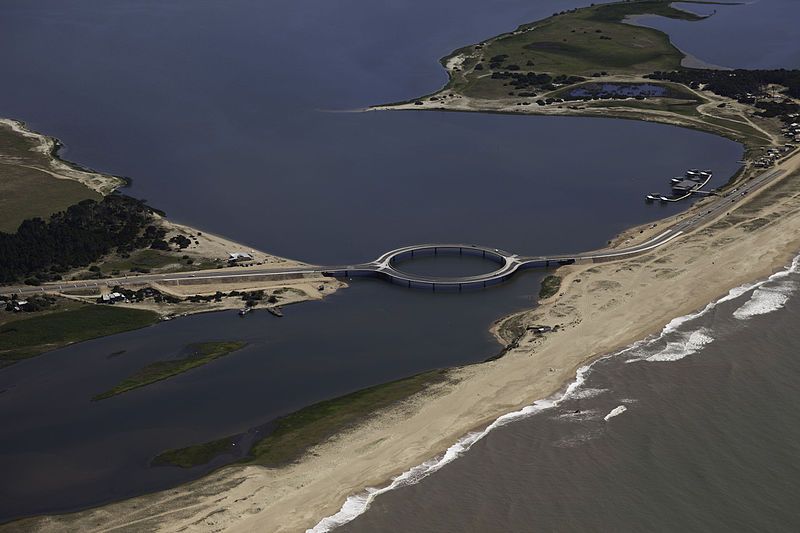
(601, 308)
(80, 230)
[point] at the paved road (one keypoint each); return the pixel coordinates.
(384, 266)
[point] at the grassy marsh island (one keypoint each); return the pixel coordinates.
(294, 434)
(68, 322)
(199, 354)
(196, 455)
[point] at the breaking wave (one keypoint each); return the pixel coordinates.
(618, 410)
(770, 296)
(762, 301)
(357, 504)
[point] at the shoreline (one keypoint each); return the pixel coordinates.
(204, 247)
(299, 495)
(357, 504)
(248, 494)
(50, 146)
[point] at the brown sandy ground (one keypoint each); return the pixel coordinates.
(288, 291)
(602, 307)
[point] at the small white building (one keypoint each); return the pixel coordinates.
(235, 257)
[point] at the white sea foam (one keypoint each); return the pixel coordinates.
(771, 295)
(691, 342)
(357, 504)
(687, 344)
(764, 300)
(618, 410)
(586, 393)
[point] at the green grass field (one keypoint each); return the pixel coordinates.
(312, 425)
(583, 42)
(550, 286)
(28, 192)
(146, 259)
(201, 354)
(27, 337)
(196, 455)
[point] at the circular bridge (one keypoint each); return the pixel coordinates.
(388, 269)
(385, 267)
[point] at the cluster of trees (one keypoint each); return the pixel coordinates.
(523, 80)
(181, 241)
(735, 83)
(34, 303)
(496, 62)
(253, 297)
(77, 237)
(785, 110)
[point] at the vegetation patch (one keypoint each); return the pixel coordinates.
(27, 337)
(312, 425)
(142, 260)
(550, 286)
(200, 354)
(592, 41)
(82, 234)
(27, 190)
(195, 455)
(294, 434)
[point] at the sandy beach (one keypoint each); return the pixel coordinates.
(601, 308)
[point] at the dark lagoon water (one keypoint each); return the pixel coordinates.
(754, 34)
(447, 265)
(229, 116)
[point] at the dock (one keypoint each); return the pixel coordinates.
(692, 182)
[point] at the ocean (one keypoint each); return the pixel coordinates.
(695, 429)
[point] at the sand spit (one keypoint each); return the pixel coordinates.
(60, 169)
(601, 308)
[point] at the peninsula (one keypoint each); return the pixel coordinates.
(76, 251)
